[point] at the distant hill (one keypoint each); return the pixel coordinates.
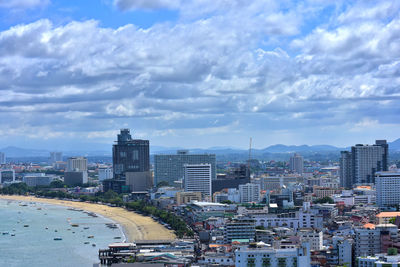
(278, 151)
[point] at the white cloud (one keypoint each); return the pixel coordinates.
(126, 5)
(223, 69)
(23, 4)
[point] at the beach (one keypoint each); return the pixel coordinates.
(135, 226)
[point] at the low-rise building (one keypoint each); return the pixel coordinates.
(263, 255)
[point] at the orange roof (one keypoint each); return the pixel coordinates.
(369, 226)
(388, 214)
(363, 187)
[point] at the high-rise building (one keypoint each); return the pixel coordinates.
(296, 163)
(197, 178)
(56, 156)
(346, 169)
(130, 155)
(249, 192)
(77, 164)
(169, 168)
(387, 188)
(2, 158)
(359, 165)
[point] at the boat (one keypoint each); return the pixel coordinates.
(5, 233)
(47, 228)
(26, 225)
(57, 238)
(93, 245)
(86, 243)
(117, 237)
(12, 234)
(85, 228)
(91, 236)
(55, 230)
(75, 225)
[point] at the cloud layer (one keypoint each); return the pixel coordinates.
(222, 72)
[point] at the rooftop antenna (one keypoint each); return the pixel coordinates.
(248, 162)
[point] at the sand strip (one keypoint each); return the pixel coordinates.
(135, 226)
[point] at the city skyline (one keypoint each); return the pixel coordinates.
(198, 73)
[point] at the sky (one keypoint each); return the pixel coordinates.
(201, 73)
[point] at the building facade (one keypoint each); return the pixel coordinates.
(105, 173)
(2, 158)
(267, 256)
(56, 156)
(296, 163)
(197, 178)
(359, 165)
(387, 189)
(130, 155)
(249, 192)
(170, 168)
(77, 164)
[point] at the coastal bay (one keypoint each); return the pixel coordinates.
(135, 226)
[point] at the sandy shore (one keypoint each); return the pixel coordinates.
(136, 227)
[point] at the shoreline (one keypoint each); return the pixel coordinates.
(134, 226)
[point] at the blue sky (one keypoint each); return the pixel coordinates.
(198, 73)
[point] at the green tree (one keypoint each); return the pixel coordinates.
(324, 200)
(57, 184)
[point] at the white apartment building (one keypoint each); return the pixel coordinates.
(249, 192)
(313, 237)
(105, 173)
(77, 164)
(197, 178)
(263, 255)
(387, 188)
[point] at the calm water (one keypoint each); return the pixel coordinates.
(35, 245)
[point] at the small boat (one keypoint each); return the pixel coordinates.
(93, 245)
(73, 232)
(47, 228)
(85, 228)
(39, 208)
(5, 233)
(55, 230)
(86, 243)
(91, 236)
(57, 238)
(117, 237)
(75, 225)
(12, 234)
(26, 225)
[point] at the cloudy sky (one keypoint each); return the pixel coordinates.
(198, 73)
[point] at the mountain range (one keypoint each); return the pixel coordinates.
(12, 151)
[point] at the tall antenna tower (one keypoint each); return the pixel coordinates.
(248, 161)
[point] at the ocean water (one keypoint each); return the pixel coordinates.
(35, 245)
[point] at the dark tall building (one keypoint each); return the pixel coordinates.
(131, 158)
(234, 178)
(359, 165)
(130, 155)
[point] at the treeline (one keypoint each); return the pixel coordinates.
(175, 222)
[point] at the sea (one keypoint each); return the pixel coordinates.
(28, 229)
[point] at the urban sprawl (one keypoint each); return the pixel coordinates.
(251, 213)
